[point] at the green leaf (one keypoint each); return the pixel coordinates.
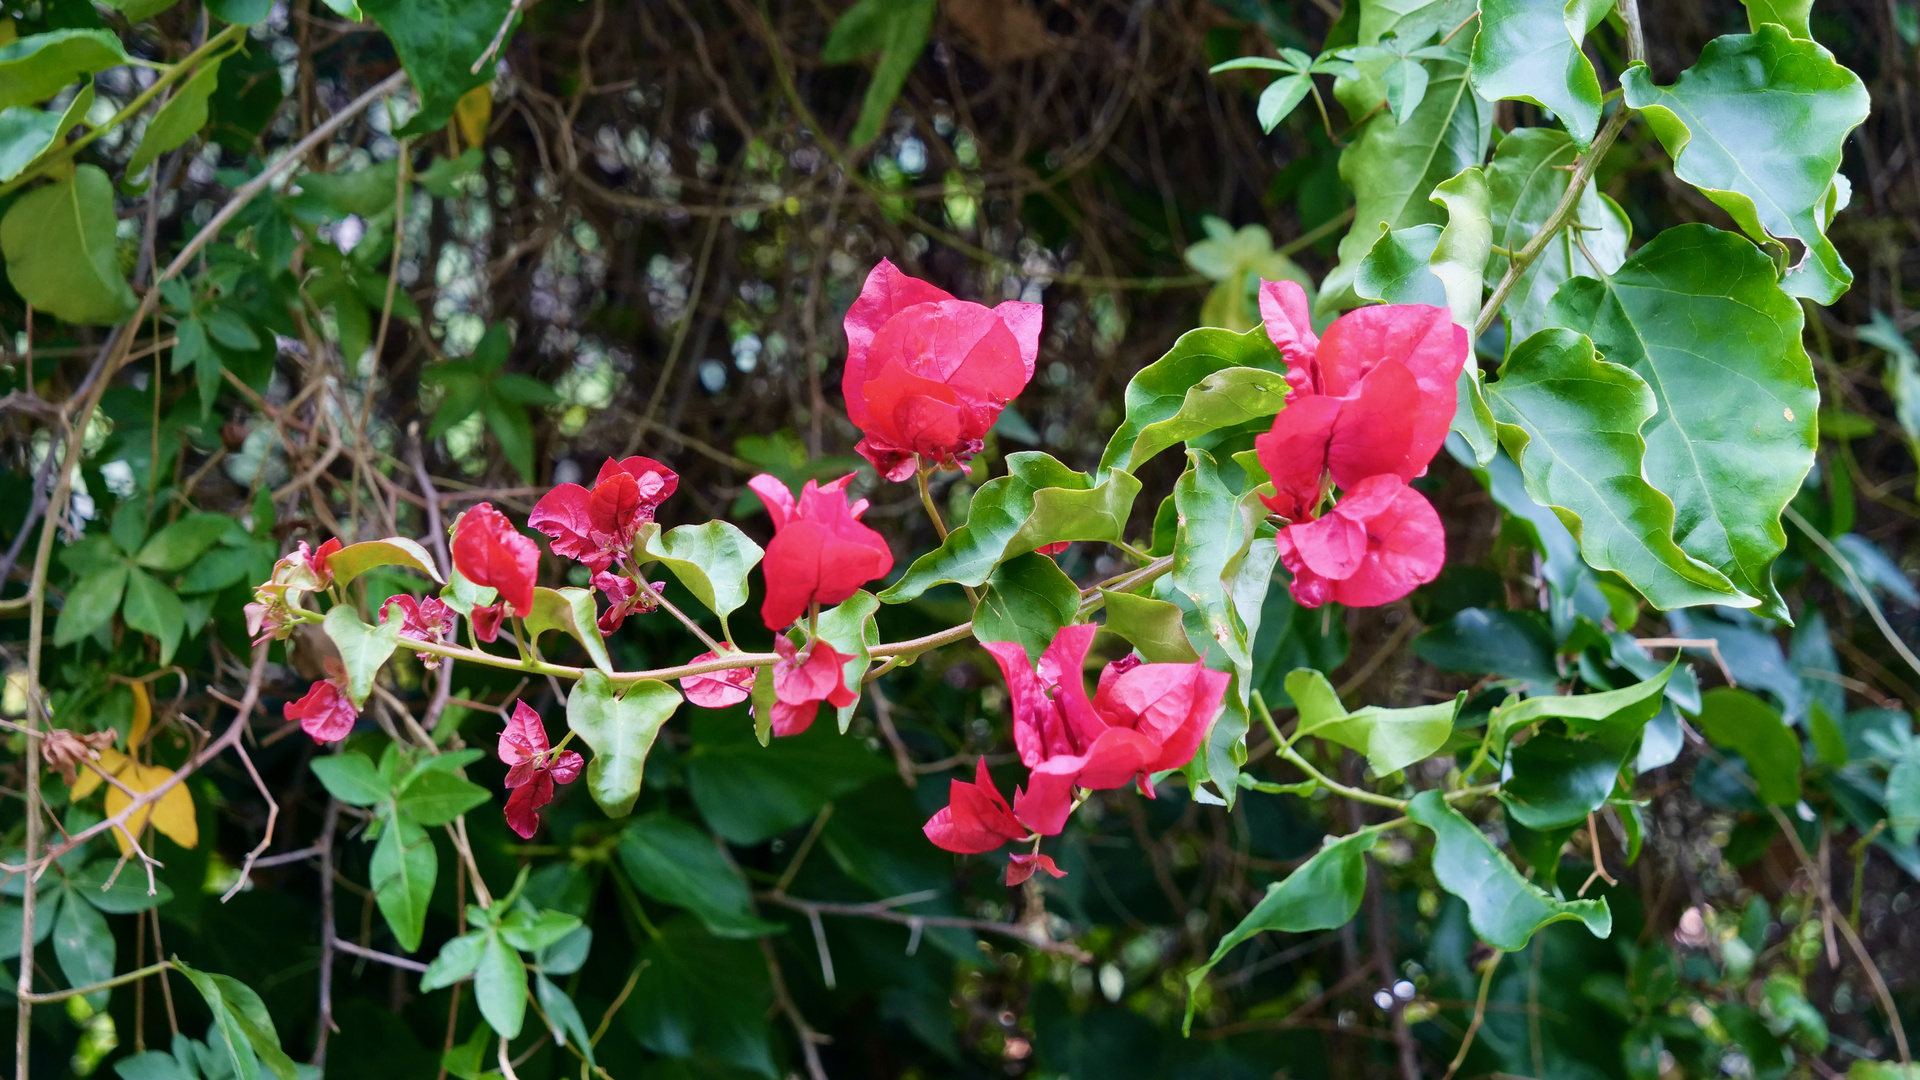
(1153, 627)
(1572, 422)
(127, 894)
(1757, 125)
(1039, 501)
(1321, 894)
(1791, 14)
(27, 133)
(1280, 98)
(1558, 781)
(897, 30)
(500, 985)
(749, 793)
(1392, 739)
(367, 192)
(712, 560)
(1696, 314)
(177, 545)
(90, 604)
(351, 778)
(1614, 715)
(850, 628)
(571, 611)
(401, 875)
(620, 728)
(676, 863)
(36, 67)
(509, 424)
(436, 797)
(702, 995)
(1218, 560)
(1738, 721)
(1903, 795)
(1503, 907)
(356, 559)
(1159, 394)
(1529, 50)
(363, 649)
(563, 1017)
(84, 945)
(152, 608)
(438, 42)
(458, 958)
(184, 114)
(240, 12)
(1460, 254)
(530, 932)
(1901, 379)
(58, 240)
(1525, 182)
(247, 1038)
(1027, 600)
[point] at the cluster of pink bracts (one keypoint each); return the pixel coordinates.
(926, 377)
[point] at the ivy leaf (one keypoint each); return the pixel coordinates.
(356, 559)
(1392, 739)
(351, 778)
(27, 133)
(897, 30)
(1529, 50)
(38, 66)
(1697, 314)
(1159, 393)
(500, 985)
(1027, 600)
(1155, 628)
(438, 42)
(676, 863)
(154, 609)
(1525, 182)
(712, 560)
(1757, 126)
(91, 603)
(401, 874)
(184, 114)
(1738, 721)
(620, 729)
(1321, 894)
(363, 649)
(58, 240)
(1504, 908)
(572, 612)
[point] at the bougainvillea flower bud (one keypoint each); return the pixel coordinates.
(486, 620)
(976, 818)
(1143, 718)
(801, 681)
(718, 689)
(425, 618)
(1377, 543)
(324, 713)
(1022, 865)
(303, 565)
(533, 769)
(488, 550)
(624, 598)
(927, 374)
(596, 526)
(820, 552)
(1054, 548)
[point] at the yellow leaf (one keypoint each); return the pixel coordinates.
(472, 113)
(142, 717)
(173, 814)
(111, 761)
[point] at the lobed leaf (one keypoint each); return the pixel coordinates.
(620, 727)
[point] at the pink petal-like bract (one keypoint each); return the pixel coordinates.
(488, 550)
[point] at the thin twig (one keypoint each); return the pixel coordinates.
(1479, 1013)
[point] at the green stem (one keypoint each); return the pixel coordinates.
(117, 980)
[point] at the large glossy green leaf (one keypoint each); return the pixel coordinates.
(1558, 781)
(712, 560)
(402, 874)
(1039, 501)
(750, 793)
(1320, 894)
(1738, 721)
(676, 863)
(572, 612)
(1155, 628)
(1529, 50)
(620, 726)
(1757, 125)
(58, 240)
(26, 133)
(438, 42)
(1392, 739)
(36, 67)
(1027, 600)
(1525, 182)
(1504, 908)
(1161, 393)
(699, 995)
(182, 117)
(363, 649)
(1572, 421)
(1696, 314)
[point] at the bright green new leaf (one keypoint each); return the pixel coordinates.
(528, 931)
(152, 608)
(1572, 421)
(1757, 125)
(851, 629)
(1460, 256)
(177, 545)
(1027, 600)
(90, 603)
(356, 559)
(1392, 739)
(1738, 721)
(1791, 14)
(401, 875)
(439, 41)
(1615, 716)
(27, 133)
(572, 612)
(184, 114)
(1163, 391)
(1529, 50)
(897, 30)
(435, 797)
(1153, 627)
(676, 863)
(1237, 260)
(1504, 908)
(1219, 560)
(620, 727)
(712, 560)
(58, 240)
(500, 985)
(1525, 182)
(1321, 894)
(363, 648)
(351, 778)
(38, 66)
(1696, 314)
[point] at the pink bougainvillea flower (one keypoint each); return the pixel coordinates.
(1054, 548)
(596, 526)
(927, 374)
(802, 680)
(1143, 718)
(976, 818)
(1375, 395)
(718, 689)
(299, 572)
(533, 769)
(424, 618)
(486, 620)
(624, 598)
(488, 550)
(326, 713)
(1022, 865)
(315, 561)
(1377, 543)
(820, 552)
